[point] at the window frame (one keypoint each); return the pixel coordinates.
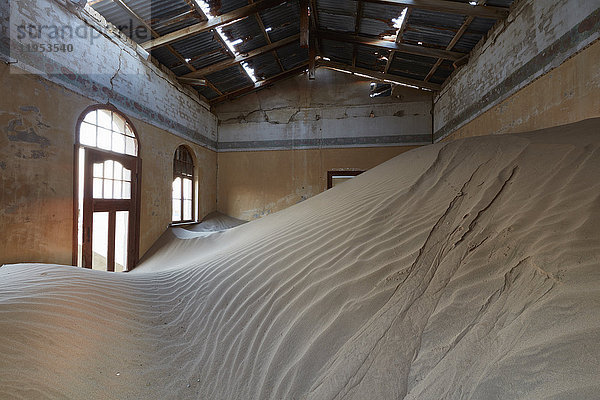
(333, 174)
(183, 176)
(138, 179)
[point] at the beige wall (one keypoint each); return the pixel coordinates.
(256, 183)
(38, 120)
(566, 94)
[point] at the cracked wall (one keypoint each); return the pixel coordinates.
(276, 145)
(537, 70)
(37, 135)
(105, 66)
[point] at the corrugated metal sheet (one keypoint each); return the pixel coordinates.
(377, 19)
(337, 51)
(249, 31)
(207, 92)
(337, 15)
(230, 79)
(165, 57)
(433, 29)
(193, 46)
(292, 55)
(436, 19)
(210, 58)
(481, 25)
(443, 72)
(371, 58)
(265, 66)
(412, 65)
(283, 20)
(434, 37)
(467, 42)
(218, 7)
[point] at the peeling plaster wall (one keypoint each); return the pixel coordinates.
(104, 66)
(334, 110)
(537, 37)
(37, 136)
(567, 94)
(253, 184)
(276, 145)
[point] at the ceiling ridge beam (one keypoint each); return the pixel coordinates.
(451, 7)
(379, 75)
(242, 57)
(385, 44)
(204, 26)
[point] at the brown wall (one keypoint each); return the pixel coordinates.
(37, 136)
(568, 93)
(256, 183)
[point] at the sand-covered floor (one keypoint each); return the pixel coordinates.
(462, 270)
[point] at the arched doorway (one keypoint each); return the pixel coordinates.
(107, 167)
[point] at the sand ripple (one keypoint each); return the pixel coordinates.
(466, 270)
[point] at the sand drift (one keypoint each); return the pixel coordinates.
(462, 270)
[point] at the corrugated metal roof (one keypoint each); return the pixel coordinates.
(428, 28)
(292, 55)
(282, 19)
(230, 79)
(249, 31)
(377, 19)
(265, 66)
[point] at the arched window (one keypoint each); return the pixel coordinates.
(107, 184)
(108, 130)
(183, 186)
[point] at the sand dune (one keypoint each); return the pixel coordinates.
(463, 270)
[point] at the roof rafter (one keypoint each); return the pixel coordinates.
(451, 7)
(242, 57)
(267, 37)
(261, 84)
(359, 12)
(399, 35)
(204, 26)
(155, 34)
(379, 75)
(385, 44)
(455, 39)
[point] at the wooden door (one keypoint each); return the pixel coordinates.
(109, 210)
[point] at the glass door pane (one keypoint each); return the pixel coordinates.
(121, 235)
(100, 241)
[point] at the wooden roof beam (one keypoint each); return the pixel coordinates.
(399, 35)
(385, 44)
(380, 76)
(455, 39)
(359, 13)
(204, 26)
(450, 7)
(261, 84)
(242, 57)
(267, 37)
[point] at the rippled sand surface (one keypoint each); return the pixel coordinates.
(461, 270)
